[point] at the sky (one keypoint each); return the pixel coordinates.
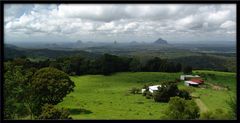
(175, 23)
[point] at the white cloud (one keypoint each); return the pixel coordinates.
(129, 20)
(228, 25)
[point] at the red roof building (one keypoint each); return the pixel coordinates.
(199, 81)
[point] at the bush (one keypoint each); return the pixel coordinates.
(181, 109)
(50, 112)
(145, 86)
(135, 90)
(184, 94)
(149, 95)
(189, 89)
(163, 94)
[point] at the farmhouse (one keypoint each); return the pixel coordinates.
(152, 88)
(194, 82)
(187, 77)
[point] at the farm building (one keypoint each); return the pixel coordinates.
(187, 77)
(194, 82)
(152, 88)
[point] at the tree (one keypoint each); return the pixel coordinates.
(184, 94)
(178, 67)
(135, 65)
(17, 91)
(56, 65)
(181, 109)
(50, 86)
(163, 67)
(153, 64)
(50, 112)
(187, 70)
(167, 90)
(75, 64)
(110, 64)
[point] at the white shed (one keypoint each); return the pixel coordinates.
(183, 77)
(154, 88)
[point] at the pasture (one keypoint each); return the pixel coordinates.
(107, 97)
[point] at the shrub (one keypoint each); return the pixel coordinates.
(163, 94)
(50, 112)
(145, 86)
(135, 90)
(189, 89)
(181, 109)
(144, 93)
(184, 94)
(149, 95)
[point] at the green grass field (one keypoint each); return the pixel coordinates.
(107, 97)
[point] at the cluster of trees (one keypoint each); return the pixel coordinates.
(27, 91)
(167, 90)
(180, 105)
(208, 62)
(106, 65)
(163, 94)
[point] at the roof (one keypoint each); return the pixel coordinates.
(191, 82)
(190, 76)
(155, 87)
(197, 80)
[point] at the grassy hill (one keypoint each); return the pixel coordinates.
(107, 97)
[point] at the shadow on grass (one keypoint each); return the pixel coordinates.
(75, 111)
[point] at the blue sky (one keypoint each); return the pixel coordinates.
(121, 22)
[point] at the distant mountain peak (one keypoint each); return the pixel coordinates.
(160, 41)
(79, 41)
(133, 42)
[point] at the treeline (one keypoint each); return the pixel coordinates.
(15, 52)
(105, 64)
(208, 62)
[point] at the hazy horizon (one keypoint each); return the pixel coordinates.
(176, 23)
